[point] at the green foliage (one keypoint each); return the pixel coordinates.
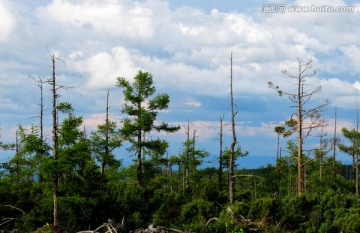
(237, 154)
(103, 141)
(65, 107)
(216, 227)
(198, 210)
(170, 208)
(353, 136)
(264, 208)
(178, 190)
(142, 109)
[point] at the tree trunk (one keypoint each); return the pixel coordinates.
(220, 157)
(139, 168)
(139, 149)
(357, 154)
(104, 162)
(299, 131)
(187, 157)
(232, 148)
(278, 146)
(193, 151)
(334, 147)
(55, 141)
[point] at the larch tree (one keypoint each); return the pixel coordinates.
(104, 140)
(353, 150)
(142, 106)
(305, 118)
(279, 130)
(40, 153)
(323, 149)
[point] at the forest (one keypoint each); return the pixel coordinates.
(76, 183)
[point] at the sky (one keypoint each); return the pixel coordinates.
(186, 45)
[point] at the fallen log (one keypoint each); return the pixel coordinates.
(242, 221)
(108, 226)
(210, 221)
(159, 229)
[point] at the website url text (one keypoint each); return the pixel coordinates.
(282, 8)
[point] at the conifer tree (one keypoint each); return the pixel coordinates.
(142, 108)
(305, 118)
(106, 139)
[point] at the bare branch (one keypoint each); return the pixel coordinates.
(16, 208)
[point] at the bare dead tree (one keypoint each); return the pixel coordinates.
(39, 82)
(193, 150)
(324, 147)
(103, 163)
(335, 141)
(54, 90)
(187, 155)
(220, 155)
(306, 119)
(232, 147)
(357, 154)
(55, 138)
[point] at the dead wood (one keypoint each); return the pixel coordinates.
(210, 221)
(14, 207)
(6, 220)
(242, 221)
(159, 229)
(107, 226)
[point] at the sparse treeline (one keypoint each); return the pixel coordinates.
(77, 182)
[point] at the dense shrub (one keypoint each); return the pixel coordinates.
(198, 210)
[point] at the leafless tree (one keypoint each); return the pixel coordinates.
(54, 90)
(220, 155)
(39, 82)
(232, 147)
(306, 118)
(335, 142)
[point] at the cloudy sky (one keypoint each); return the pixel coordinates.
(186, 45)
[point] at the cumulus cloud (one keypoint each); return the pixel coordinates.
(186, 48)
(92, 121)
(356, 85)
(7, 20)
(108, 17)
(103, 68)
(352, 53)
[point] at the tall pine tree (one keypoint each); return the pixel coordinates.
(142, 108)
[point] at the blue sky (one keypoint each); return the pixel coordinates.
(186, 45)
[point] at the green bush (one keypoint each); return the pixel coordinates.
(198, 211)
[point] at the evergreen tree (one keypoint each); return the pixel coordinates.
(106, 139)
(142, 108)
(353, 149)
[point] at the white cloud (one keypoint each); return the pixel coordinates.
(352, 54)
(192, 103)
(116, 18)
(187, 49)
(336, 87)
(356, 85)
(346, 101)
(92, 121)
(103, 68)
(7, 21)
